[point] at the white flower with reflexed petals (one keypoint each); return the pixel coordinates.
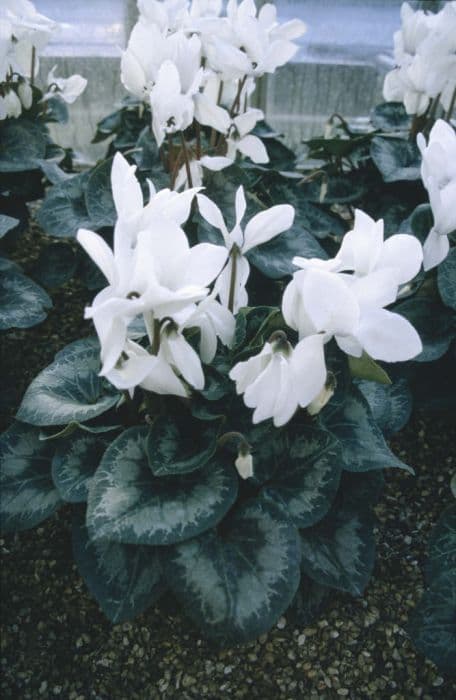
(279, 379)
(67, 89)
(260, 229)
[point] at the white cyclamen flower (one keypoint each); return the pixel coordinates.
(324, 298)
(67, 89)
(438, 172)
(240, 139)
(260, 229)
(279, 379)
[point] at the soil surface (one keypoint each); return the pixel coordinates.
(55, 642)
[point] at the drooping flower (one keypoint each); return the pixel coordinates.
(231, 284)
(67, 89)
(279, 379)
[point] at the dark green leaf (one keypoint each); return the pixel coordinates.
(56, 265)
(64, 209)
(434, 323)
(365, 367)
(391, 405)
(124, 579)
(397, 159)
(74, 463)
(22, 143)
(391, 116)
(363, 445)
(177, 447)
(28, 493)
(98, 196)
(442, 546)
(22, 302)
(339, 552)
(69, 389)
(274, 259)
(432, 625)
(6, 224)
(309, 475)
(128, 504)
(236, 583)
(308, 601)
(446, 278)
(334, 190)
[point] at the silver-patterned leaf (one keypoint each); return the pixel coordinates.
(6, 224)
(340, 551)
(363, 445)
(124, 579)
(23, 303)
(74, 463)
(69, 389)
(308, 477)
(128, 504)
(442, 545)
(235, 582)
(28, 493)
(391, 405)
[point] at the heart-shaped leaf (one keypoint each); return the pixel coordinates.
(391, 405)
(391, 116)
(22, 302)
(309, 475)
(69, 389)
(432, 625)
(442, 546)
(274, 259)
(22, 144)
(434, 323)
(308, 601)
(397, 159)
(125, 579)
(64, 209)
(235, 583)
(128, 504)
(75, 462)
(56, 265)
(363, 445)
(339, 552)
(446, 278)
(175, 447)
(28, 493)
(98, 196)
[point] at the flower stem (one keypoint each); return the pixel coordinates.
(234, 256)
(156, 341)
(187, 161)
(451, 107)
(237, 99)
(198, 140)
(32, 67)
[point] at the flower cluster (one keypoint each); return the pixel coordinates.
(438, 172)
(153, 273)
(24, 33)
(425, 55)
(342, 298)
(191, 64)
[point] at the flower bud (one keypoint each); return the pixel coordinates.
(25, 94)
(244, 462)
(324, 396)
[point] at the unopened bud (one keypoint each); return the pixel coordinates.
(25, 94)
(244, 461)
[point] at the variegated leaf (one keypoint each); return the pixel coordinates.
(69, 389)
(309, 475)
(235, 582)
(391, 405)
(174, 448)
(128, 504)
(339, 552)
(23, 303)
(124, 579)
(363, 445)
(442, 545)
(28, 493)
(74, 463)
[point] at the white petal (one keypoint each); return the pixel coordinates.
(254, 148)
(435, 250)
(216, 163)
(404, 253)
(246, 122)
(349, 345)
(185, 359)
(388, 336)
(245, 373)
(212, 214)
(329, 302)
(209, 113)
(268, 224)
(308, 369)
(240, 205)
(223, 283)
(377, 289)
(97, 248)
(126, 189)
(204, 263)
(244, 465)
(162, 380)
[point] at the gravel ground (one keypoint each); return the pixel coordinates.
(56, 643)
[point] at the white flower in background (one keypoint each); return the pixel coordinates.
(240, 139)
(230, 285)
(197, 167)
(279, 379)
(25, 94)
(67, 89)
(324, 298)
(425, 54)
(10, 105)
(438, 172)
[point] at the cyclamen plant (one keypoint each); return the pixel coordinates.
(220, 426)
(27, 154)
